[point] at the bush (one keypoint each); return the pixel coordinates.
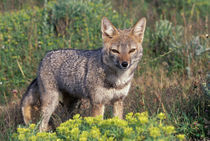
(80, 21)
(166, 42)
(166, 37)
(137, 126)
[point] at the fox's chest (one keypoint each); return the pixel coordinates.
(106, 95)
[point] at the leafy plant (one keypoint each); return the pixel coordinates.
(166, 37)
(166, 43)
(79, 21)
(137, 126)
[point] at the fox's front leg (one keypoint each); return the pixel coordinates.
(49, 100)
(118, 109)
(97, 110)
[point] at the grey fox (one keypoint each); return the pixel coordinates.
(103, 75)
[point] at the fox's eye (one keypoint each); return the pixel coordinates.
(132, 50)
(115, 51)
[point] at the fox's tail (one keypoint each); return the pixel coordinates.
(29, 99)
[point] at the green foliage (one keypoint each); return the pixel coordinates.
(168, 45)
(137, 126)
(21, 40)
(10, 5)
(166, 37)
(179, 7)
(166, 42)
(80, 21)
(174, 10)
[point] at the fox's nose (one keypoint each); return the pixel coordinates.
(124, 64)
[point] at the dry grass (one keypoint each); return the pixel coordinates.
(155, 91)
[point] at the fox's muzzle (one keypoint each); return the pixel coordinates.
(124, 65)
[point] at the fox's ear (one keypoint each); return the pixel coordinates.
(107, 28)
(139, 28)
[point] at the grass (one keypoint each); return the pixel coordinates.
(168, 81)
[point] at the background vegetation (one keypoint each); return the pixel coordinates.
(172, 77)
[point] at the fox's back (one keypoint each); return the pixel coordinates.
(53, 60)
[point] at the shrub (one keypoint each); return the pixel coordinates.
(137, 126)
(80, 21)
(166, 43)
(165, 37)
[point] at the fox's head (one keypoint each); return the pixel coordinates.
(122, 48)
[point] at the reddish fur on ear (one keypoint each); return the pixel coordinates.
(139, 28)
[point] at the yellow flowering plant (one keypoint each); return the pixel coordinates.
(137, 126)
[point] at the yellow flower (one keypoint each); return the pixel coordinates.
(181, 136)
(95, 133)
(33, 138)
(106, 122)
(21, 137)
(129, 115)
(98, 119)
(140, 130)
(20, 130)
(154, 132)
(23, 130)
(84, 136)
(144, 114)
(118, 122)
(75, 133)
(161, 116)
(141, 138)
(63, 130)
(169, 129)
(128, 131)
(82, 139)
(42, 134)
(143, 119)
(1, 37)
(32, 126)
(130, 118)
(89, 120)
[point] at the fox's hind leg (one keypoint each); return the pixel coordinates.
(29, 99)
